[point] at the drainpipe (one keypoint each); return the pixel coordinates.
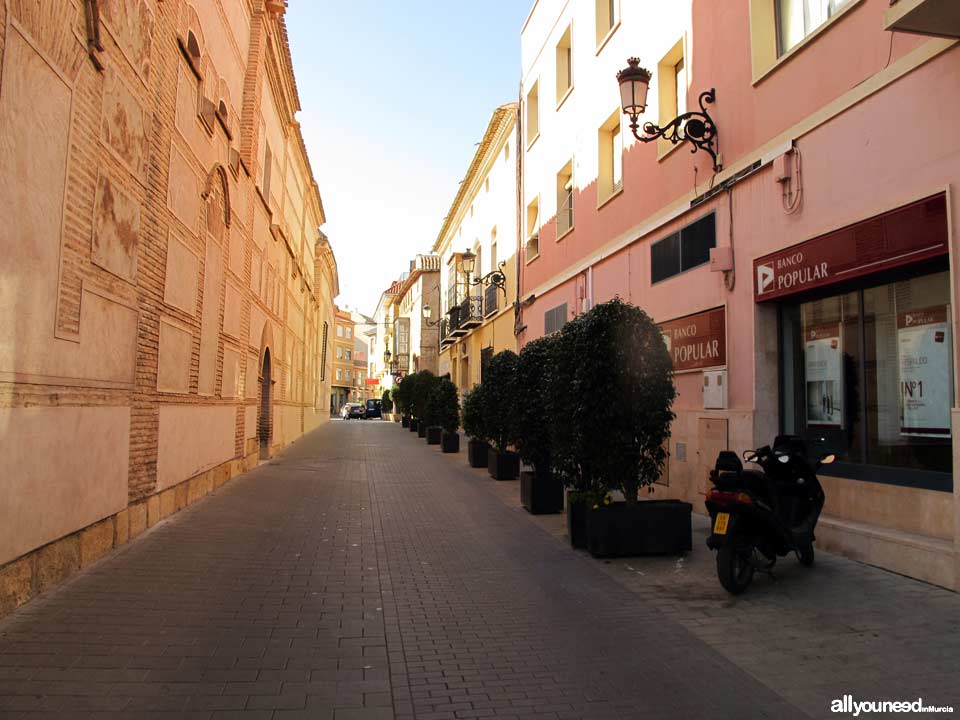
(517, 308)
(590, 287)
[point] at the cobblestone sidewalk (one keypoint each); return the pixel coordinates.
(364, 576)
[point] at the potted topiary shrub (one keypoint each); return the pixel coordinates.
(399, 399)
(620, 422)
(569, 348)
(432, 412)
(410, 393)
(499, 415)
(472, 415)
(541, 490)
(421, 398)
(446, 413)
(386, 405)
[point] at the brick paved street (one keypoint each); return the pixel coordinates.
(364, 576)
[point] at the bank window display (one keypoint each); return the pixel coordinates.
(868, 375)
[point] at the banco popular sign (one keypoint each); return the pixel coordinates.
(906, 235)
(697, 341)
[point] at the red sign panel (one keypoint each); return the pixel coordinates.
(909, 234)
(697, 341)
(372, 381)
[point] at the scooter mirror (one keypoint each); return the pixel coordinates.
(750, 456)
(827, 459)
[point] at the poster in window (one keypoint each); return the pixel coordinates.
(926, 387)
(823, 359)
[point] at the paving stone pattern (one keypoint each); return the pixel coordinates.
(364, 576)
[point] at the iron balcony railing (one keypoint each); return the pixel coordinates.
(471, 311)
(491, 300)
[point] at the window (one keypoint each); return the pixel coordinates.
(610, 149)
(683, 250)
(554, 319)
(608, 15)
(671, 90)
(798, 18)
(564, 66)
(339, 374)
(340, 331)
(532, 246)
(565, 200)
(533, 113)
(680, 86)
(347, 354)
(868, 375)
(349, 332)
(339, 353)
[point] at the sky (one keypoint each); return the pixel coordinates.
(395, 95)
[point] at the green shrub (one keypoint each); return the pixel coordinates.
(609, 427)
(472, 414)
(445, 406)
(500, 399)
(420, 401)
(536, 380)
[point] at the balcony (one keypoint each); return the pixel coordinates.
(471, 312)
(491, 300)
(940, 18)
(455, 325)
(445, 338)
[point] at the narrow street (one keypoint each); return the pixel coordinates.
(362, 575)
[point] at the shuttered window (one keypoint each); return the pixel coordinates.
(554, 319)
(683, 250)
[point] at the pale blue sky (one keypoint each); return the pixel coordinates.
(395, 94)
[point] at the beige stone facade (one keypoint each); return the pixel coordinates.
(165, 296)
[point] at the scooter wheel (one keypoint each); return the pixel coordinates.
(806, 555)
(734, 571)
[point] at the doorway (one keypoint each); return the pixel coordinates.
(265, 422)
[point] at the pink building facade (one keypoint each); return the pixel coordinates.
(805, 286)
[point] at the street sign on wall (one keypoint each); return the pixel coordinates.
(906, 235)
(697, 341)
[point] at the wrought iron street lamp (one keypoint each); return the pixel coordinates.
(696, 126)
(494, 277)
(427, 314)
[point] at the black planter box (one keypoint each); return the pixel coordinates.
(433, 435)
(450, 442)
(421, 429)
(503, 465)
(653, 527)
(414, 424)
(541, 493)
(405, 421)
(477, 453)
(577, 523)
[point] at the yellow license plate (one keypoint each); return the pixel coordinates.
(720, 525)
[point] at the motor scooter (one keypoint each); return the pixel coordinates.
(758, 515)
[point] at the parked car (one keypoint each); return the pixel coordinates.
(352, 410)
(374, 408)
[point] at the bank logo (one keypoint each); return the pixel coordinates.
(764, 278)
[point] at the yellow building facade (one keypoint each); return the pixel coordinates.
(478, 319)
